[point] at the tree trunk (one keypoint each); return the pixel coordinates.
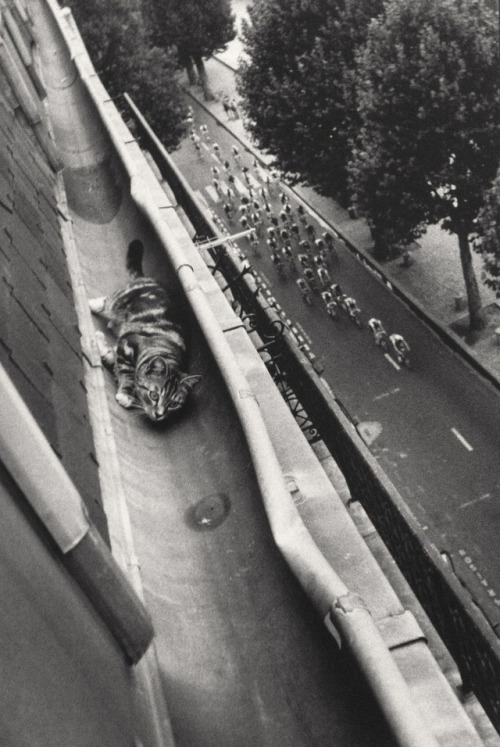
(191, 72)
(476, 316)
(202, 74)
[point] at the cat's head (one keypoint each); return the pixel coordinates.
(161, 388)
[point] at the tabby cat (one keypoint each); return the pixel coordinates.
(151, 348)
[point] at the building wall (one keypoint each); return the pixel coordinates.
(39, 336)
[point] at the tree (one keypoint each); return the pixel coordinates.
(126, 61)
(198, 28)
(429, 141)
(296, 85)
(487, 241)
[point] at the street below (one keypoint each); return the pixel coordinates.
(434, 427)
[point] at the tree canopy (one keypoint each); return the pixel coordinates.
(296, 85)
(198, 29)
(429, 140)
(121, 49)
(487, 242)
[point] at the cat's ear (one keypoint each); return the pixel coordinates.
(189, 381)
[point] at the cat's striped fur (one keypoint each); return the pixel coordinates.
(150, 351)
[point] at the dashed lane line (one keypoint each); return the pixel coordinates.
(462, 439)
(387, 394)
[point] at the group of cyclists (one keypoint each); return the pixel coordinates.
(290, 238)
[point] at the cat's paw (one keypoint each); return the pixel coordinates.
(106, 353)
(97, 304)
(125, 400)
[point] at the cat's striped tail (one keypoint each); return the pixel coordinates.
(135, 253)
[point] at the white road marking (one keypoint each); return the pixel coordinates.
(240, 187)
(387, 394)
(462, 439)
(476, 500)
(255, 184)
(212, 192)
(396, 366)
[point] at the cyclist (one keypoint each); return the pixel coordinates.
(228, 211)
(324, 276)
(337, 291)
(289, 256)
(304, 289)
(378, 331)
(311, 279)
(328, 239)
(401, 347)
(277, 260)
(236, 153)
(326, 296)
(331, 306)
(352, 309)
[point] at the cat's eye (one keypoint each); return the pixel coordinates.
(154, 396)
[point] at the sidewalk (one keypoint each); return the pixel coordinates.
(433, 282)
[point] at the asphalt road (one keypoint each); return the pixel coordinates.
(435, 429)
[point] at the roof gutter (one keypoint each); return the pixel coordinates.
(324, 587)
